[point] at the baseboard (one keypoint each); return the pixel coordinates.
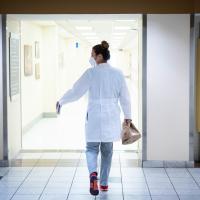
(32, 123)
(49, 114)
(167, 164)
(4, 163)
(37, 119)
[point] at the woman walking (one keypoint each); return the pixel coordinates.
(107, 86)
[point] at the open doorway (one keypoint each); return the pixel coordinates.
(54, 52)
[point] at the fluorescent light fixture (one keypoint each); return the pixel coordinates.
(125, 20)
(91, 36)
(88, 33)
(93, 42)
(122, 28)
(117, 37)
(114, 45)
(116, 41)
(92, 39)
(83, 27)
(120, 33)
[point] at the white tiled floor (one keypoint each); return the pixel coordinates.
(62, 132)
(71, 182)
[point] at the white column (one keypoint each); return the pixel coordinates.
(168, 51)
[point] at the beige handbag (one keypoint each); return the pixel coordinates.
(129, 134)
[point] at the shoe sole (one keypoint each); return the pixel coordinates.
(94, 194)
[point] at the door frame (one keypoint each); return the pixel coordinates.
(194, 136)
(5, 160)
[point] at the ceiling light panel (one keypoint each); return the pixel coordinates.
(83, 27)
(88, 33)
(119, 33)
(125, 20)
(122, 28)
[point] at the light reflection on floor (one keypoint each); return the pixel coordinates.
(64, 132)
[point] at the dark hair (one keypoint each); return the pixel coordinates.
(102, 49)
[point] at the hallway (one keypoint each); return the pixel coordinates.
(45, 47)
(63, 175)
(62, 132)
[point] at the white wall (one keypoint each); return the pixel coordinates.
(50, 63)
(31, 89)
(14, 106)
(168, 49)
(40, 96)
(121, 59)
(58, 79)
(75, 63)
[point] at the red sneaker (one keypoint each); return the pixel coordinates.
(94, 190)
(104, 188)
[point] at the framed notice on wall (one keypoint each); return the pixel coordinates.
(28, 60)
(14, 65)
(37, 71)
(37, 49)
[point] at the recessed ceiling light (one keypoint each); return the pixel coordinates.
(83, 27)
(122, 28)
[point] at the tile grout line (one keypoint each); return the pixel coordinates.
(25, 177)
(171, 183)
(121, 175)
(145, 178)
(193, 178)
(74, 176)
(49, 177)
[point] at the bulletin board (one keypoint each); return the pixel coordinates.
(14, 65)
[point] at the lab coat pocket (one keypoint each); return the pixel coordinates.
(86, 117)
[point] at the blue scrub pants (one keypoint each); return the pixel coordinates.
(92, 150)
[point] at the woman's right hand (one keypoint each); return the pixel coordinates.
(128, 121)
(58, 107)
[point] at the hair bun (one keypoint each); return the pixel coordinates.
(105, 44)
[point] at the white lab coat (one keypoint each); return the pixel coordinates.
(106, 85)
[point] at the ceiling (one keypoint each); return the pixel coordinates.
(117, 29)
(101, 7)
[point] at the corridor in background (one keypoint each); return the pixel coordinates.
(60, 46)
